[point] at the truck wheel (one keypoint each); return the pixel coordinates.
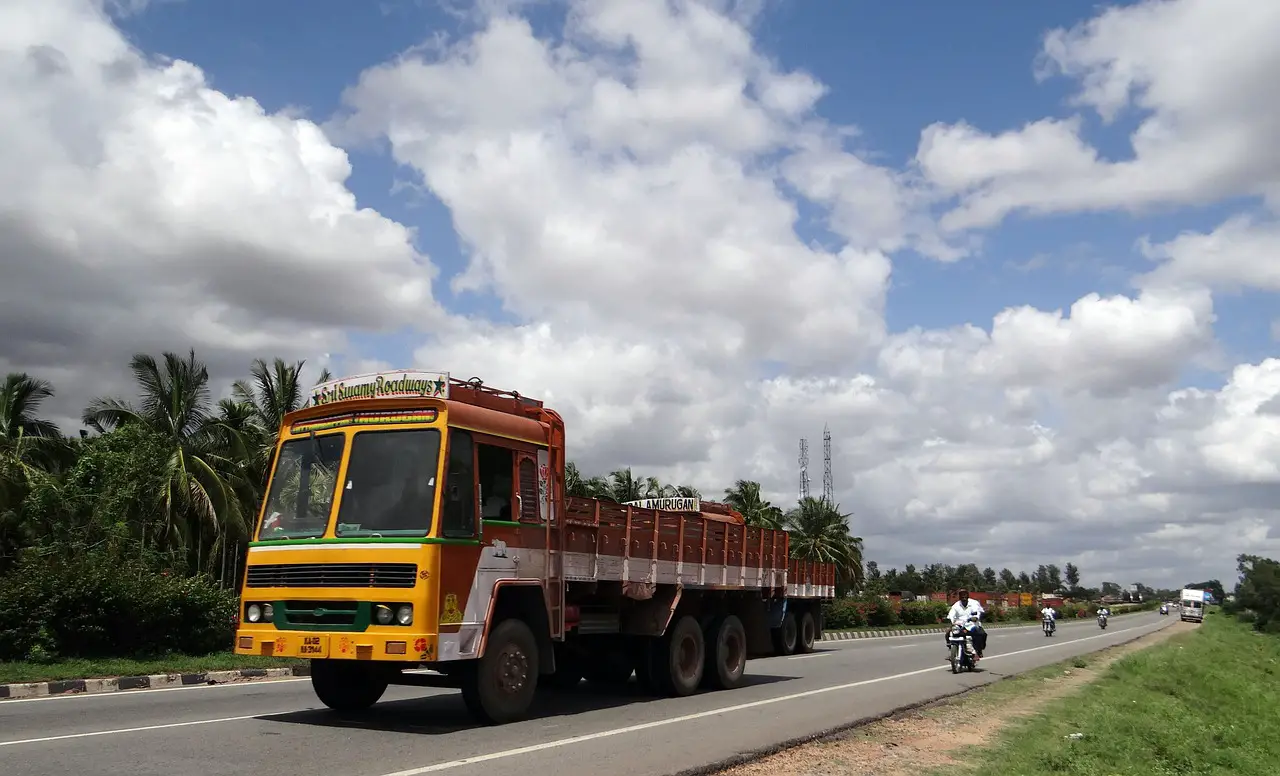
(501, 687)
(786, 636)
(684, 656)
(808, 633)
(726, 654)
(346, 686)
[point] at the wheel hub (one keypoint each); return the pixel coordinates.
(513, 670)
(687, 659)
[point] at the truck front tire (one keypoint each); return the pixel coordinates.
(345, 685)
(501, 685)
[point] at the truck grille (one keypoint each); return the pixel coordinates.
(333, 575)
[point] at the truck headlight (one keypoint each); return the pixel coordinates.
(268, 612)
(404, 615)
(383, 614)
(253, 613)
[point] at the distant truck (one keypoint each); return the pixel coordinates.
(1192, 605)
(413, 519)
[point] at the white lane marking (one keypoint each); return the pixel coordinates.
(134, 729)
(905, 646)
(574, 739)
(483, 758)
(806, 657)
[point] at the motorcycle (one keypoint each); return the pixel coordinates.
(1050, 625)
(1102, 621)
(1164, 609)
(961, 653)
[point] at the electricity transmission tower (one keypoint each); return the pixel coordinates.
(828, 483)
(804, 468)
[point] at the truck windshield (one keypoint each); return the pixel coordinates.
(390, 484)
(302, 488)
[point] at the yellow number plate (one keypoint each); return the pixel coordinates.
(313, 646)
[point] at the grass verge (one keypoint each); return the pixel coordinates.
(1203, 703)
(21, 672)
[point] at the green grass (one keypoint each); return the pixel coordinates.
(1201, 703)
(20, 672)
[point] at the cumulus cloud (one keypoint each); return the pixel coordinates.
(143, 210)
(629, 189)
(1197, 74)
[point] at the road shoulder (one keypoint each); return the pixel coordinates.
(934, 735)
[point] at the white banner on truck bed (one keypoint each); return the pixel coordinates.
(674, 504)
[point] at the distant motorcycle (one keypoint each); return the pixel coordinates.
(1102, 621)
(1050, 625)
(1164, 609)
(962, 655)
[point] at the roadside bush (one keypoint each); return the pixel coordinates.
(95, 604)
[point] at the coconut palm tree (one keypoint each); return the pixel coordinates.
(820, 533)
(623, 486)
(576, 485)
(30, 448)
(745, 497)
(199, 503)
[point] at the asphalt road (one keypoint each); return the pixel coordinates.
(279, 727)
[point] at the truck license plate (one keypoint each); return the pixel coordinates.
(314, 646)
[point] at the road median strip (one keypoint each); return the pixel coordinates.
(147, 682)
(919, 630)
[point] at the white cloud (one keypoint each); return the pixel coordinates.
(629, 191)
(144, 210)
(1199, 73)
(1241, 253)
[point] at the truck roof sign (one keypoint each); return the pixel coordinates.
(403, 384)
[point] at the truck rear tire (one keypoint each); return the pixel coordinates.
(808, 633)
(501, 686)
(346, 685)
(679, 658)
(726, 654)
(786, 636)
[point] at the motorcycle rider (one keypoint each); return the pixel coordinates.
(1047, 614)
(1104, 611)
(960, 612)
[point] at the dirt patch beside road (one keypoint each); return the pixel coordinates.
(932, 736)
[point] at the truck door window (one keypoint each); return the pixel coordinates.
(459, 512)
(495, 468)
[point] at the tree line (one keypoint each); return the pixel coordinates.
(174, 477)
(174, 474)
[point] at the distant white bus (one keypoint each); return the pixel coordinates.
(1192, 608)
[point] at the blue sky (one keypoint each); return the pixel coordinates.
(890, 68)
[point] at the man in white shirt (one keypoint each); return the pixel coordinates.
(1049, 614)
(960, 612)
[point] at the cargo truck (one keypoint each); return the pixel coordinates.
(1192, 605)
(413, 520)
